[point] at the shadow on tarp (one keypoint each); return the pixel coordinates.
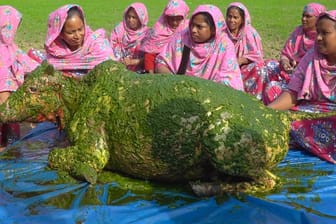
(30, 194)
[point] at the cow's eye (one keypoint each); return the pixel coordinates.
(32, 89)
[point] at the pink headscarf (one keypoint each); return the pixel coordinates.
(300, 41)
(214, 60)
(160, 34)
(314, 79)
(248, 42)
(14, 63)
(125, 42)
(95, 49)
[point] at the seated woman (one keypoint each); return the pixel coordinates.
(202, 50)
(298, 43)
(248, 47)
(173, 19)
(126, 37)
(312, 88)
(14, 65)
(71, 46)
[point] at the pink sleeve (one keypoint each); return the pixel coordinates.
(229, 72)
(115, 41)
(288, 49)
(296, 81)
(171, 55)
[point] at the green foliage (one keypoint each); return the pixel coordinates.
(273, 19)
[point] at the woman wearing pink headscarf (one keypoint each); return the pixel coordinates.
(172, 20)
(212, 54)
(71, 46)
(248, 47)
(126, 37)
(298, 43)
(312, 88)
(14, 65)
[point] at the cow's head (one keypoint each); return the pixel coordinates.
(38, 99)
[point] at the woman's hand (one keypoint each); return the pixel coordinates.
(287, 65)
(130, 61)
(243, 61)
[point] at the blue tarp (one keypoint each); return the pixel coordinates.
(29, 194)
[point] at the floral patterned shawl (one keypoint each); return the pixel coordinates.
(14, 62)
(248, 42)
(214, 60)
(300, 41)
(160, 34)
(125, 42)
(96, 47)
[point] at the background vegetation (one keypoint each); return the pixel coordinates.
(273, 19)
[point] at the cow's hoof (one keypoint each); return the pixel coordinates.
(206, 189)
(86, 173)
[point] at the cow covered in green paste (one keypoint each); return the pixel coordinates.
(165, 128)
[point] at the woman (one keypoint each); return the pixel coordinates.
(172, 20)
(14, 65)
(212, 54)
(126, 37)
(312, 88)
(71, 46)
(296, 46)
(248, 47)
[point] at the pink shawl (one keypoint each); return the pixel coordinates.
(214, 60)
(160, 34)
(314, 79)
(248, 42)
(95, 49)
(300, 41)
(126, 42)
(14, 63)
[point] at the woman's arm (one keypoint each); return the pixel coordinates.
(160, 68)
(285, 101)
(243, 61)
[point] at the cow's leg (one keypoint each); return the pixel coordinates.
(88, 155)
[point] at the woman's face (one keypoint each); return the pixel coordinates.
(200, 30)
(326, 37)
(73, 32)
(308, 22)
(132, 19)
(234, 20)
(174, 21)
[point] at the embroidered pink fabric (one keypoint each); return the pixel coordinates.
(315, 82)
(14, 62)
(248, 42)
(313, 78)
(96, 47)
(125, 42)
(299, 42)
(160, 34)
(214, 60)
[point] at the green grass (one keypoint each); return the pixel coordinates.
(273, 19)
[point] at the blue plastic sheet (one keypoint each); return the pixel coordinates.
(29, 195)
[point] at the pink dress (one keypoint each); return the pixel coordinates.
(298, 43)
(126, 42)
(214, 60)
(248, 45)
(161, 33)
(14, 62)
(314, 82)
(96, 47)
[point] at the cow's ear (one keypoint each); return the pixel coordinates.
(49, 70)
